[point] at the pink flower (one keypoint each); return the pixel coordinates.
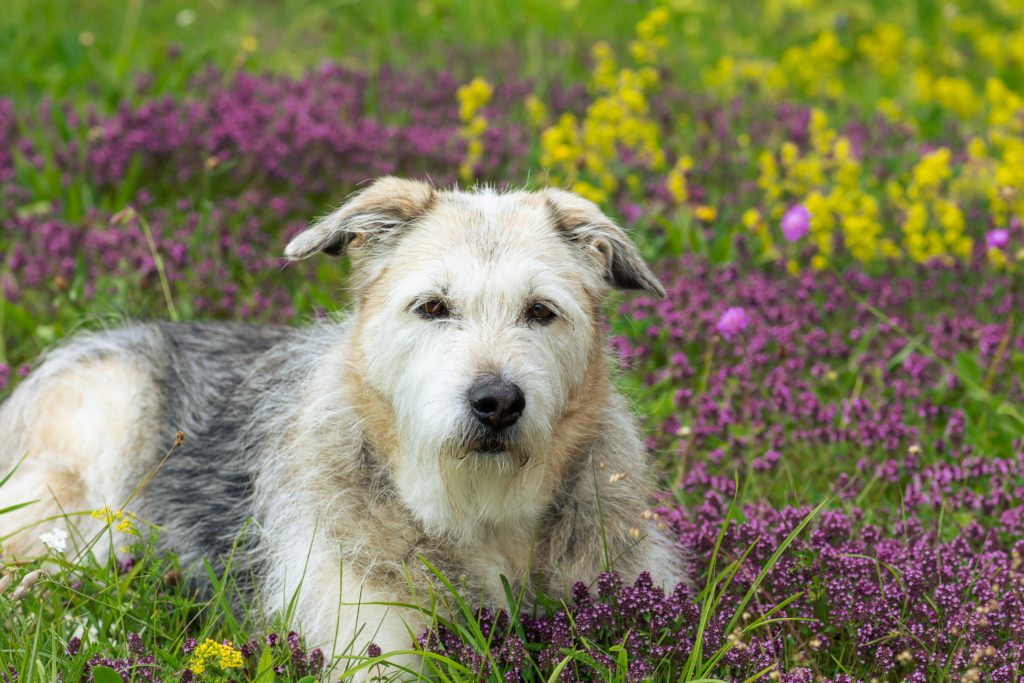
(997, 239)
(732, 321)
(796, 223)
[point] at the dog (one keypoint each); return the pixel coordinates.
(462, 418)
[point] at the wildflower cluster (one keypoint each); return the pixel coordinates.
(135, 663)
(618, 128)
(783, 379)
(222, 655)
(211, 179)
(911, 622)
(119, 520)
(288, 654)
(919, 200)
(472, 98)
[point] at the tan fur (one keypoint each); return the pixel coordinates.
(74, 434)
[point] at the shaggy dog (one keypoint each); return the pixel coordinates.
(462, 415)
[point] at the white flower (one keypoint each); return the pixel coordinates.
(56, 540)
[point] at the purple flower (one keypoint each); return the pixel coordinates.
(796, 223)
(250, 648)
(135, 645)
(74, 645)
(733, 321)
(631, 213)
(997, 239)
(189, 645)
(373, 650)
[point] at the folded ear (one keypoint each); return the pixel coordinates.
(375, 213)
(586, 224)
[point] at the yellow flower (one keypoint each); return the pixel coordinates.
(883, 48)
(955, 95)
(223, 655)
(472, 98)
(931, 171)
(106, 515)
(604, 73)
(706, 213)
(996, 257)
(126, 526)
(588, 191)
(583, 154)
(813, 70)
(676, 182)
(536, 111)
(977, 149)
(891, 110)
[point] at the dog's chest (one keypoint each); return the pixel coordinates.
(487, 561)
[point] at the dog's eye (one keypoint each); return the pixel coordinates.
(433, 309)
(540, 313)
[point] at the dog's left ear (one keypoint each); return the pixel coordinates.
(372, 215)
(586, 224)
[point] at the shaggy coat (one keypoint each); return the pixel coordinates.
(335, 461)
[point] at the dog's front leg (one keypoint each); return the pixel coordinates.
(378, 622)
(342, 611)
(358, 622)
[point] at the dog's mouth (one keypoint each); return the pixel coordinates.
(486, 447)
(489, 444)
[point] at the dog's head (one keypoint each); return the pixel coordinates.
(478, 348)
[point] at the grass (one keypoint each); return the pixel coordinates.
(91, 51)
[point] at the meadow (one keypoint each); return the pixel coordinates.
(833, 390)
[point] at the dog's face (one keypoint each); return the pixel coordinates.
(478, 334)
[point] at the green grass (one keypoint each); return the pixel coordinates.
(89, 51)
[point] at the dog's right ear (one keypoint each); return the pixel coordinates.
(371, 215)
(583, 222)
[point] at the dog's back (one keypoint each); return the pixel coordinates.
(95, 419)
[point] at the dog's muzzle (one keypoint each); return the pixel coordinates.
(496, 402)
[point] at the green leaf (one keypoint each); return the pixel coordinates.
(558, 670)
(265, 667)
(18, 506)
(903, 353)
(6, 477)
(102, 674)
(967, 369)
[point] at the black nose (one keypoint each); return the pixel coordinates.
(496, 402)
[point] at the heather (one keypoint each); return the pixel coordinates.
(833, 390)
